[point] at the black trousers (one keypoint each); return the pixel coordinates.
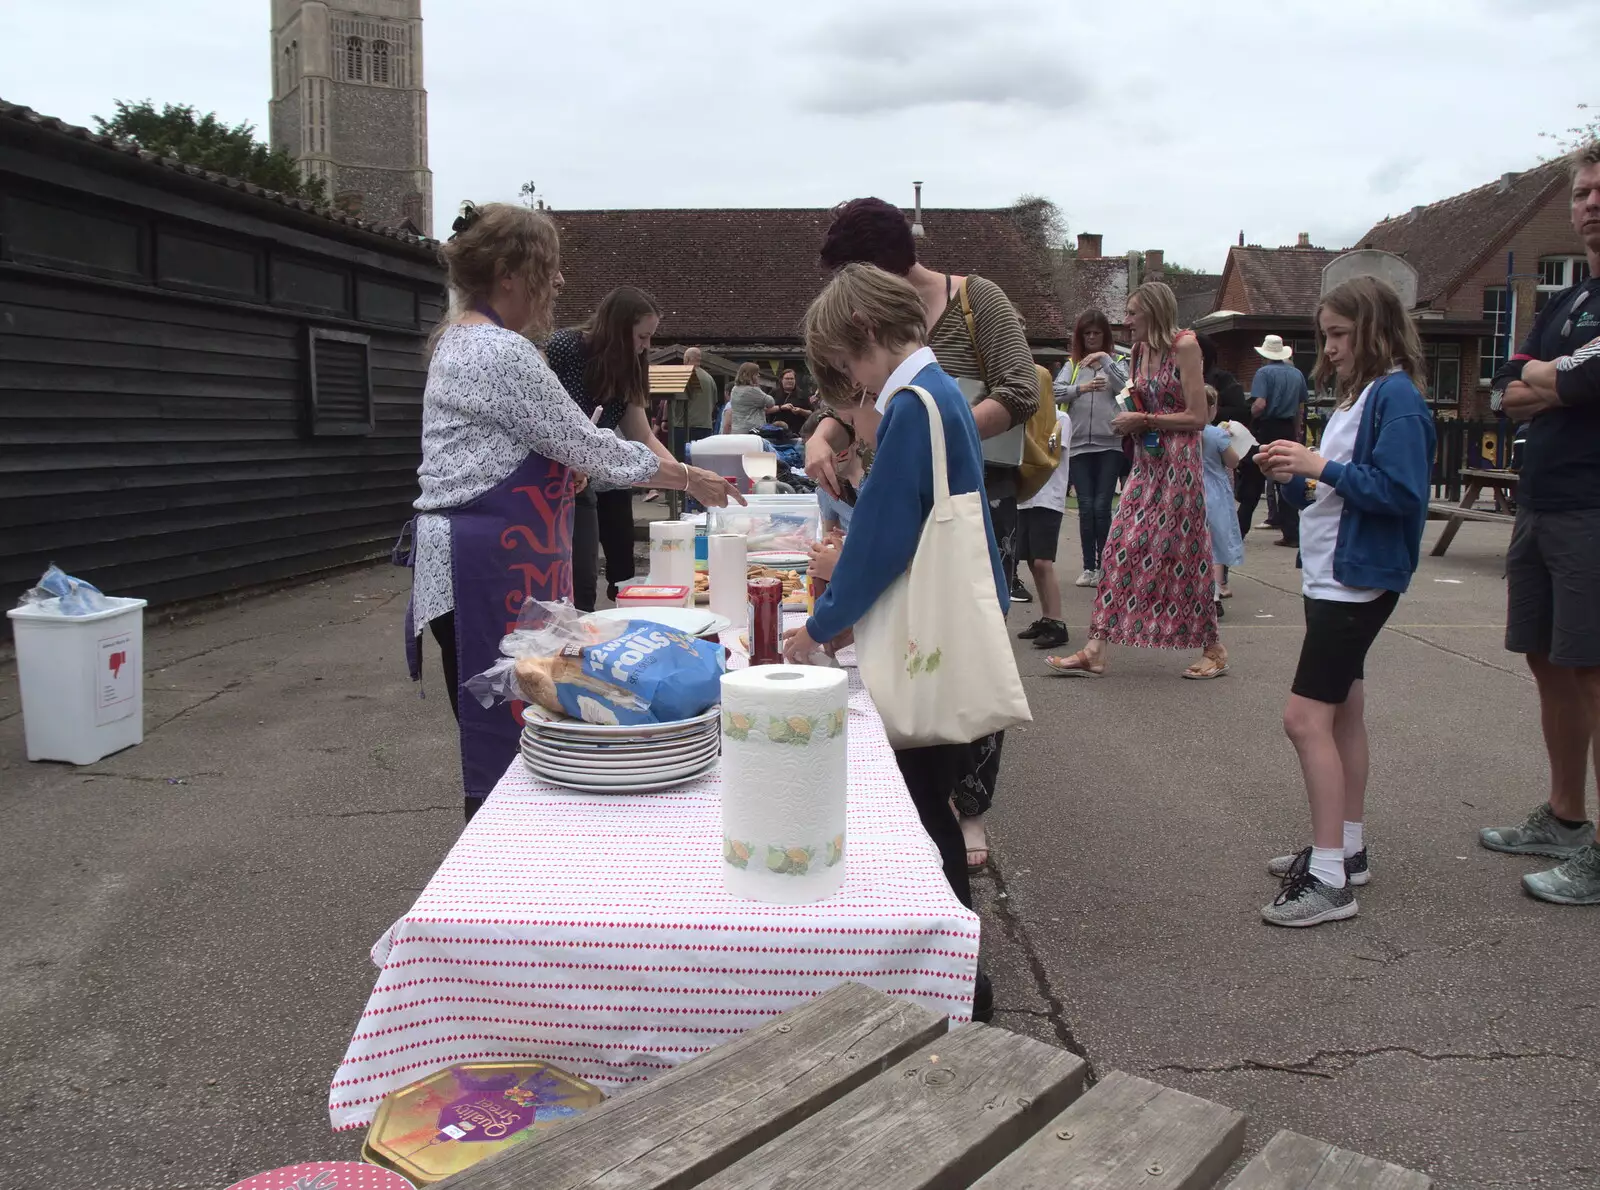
(614, 511)
(585, 551)
(980, 771)
(930, 775)
(443, 629)
(1252, 482)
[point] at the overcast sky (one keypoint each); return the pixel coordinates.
(1158, 124)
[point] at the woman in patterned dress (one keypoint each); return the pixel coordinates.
(1156, 589)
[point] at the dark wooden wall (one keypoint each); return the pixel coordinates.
(158, 430)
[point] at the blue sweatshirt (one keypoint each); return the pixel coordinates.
(896, 499)
(1385, 488)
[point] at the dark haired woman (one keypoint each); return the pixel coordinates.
(501, 445)
(1087, 389)
(605, 367)
(978, 339)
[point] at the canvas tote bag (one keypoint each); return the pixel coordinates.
(933, 650)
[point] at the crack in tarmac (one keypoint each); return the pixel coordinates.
(1011, 924)
(1343, 1059)
(381, 813)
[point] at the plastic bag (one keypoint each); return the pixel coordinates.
(602, 671)
(73, 596)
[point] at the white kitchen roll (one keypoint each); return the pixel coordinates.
(783, 782)
(672, 553)
(728, 570)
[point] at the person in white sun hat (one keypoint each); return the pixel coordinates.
(1278, 408)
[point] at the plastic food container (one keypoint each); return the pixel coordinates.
(724, 454)
(644, 595)
(777, 523)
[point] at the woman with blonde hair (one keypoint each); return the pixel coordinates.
(1359, 543)
(1155, 588)
(748, 402)
(503, 447)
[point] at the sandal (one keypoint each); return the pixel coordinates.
(1077, 665)
(1207, 667)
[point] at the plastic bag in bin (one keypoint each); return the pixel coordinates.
(71, 596)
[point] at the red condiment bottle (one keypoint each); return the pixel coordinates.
(766, 621)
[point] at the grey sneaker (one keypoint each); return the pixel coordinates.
(1307, 901)
(1538, 834)
(1574, 882)
(1356, 870)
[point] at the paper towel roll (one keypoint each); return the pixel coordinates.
(672, 553)
(783, 782)
(730, 586)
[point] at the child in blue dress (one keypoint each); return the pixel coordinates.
(1222, 515)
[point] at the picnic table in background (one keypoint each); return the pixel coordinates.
(856, 1089)
(1474, 480)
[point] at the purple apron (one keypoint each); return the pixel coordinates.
(512, 543)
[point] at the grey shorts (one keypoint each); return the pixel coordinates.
(1553, 586)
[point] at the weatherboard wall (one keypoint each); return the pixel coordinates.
(196, 394)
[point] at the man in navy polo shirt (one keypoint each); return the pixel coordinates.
(1553, 564)
(1278, 407)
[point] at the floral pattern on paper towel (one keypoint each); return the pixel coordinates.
(795, 729)
(783, 861)
(668, 545)
(920, 662)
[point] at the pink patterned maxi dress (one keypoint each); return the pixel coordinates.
(1156, 589)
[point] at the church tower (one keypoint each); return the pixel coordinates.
(348, 103)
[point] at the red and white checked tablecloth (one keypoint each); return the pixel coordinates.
(593, 931)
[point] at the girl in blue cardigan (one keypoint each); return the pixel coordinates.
(1359, 543)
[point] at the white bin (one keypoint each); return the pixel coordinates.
(82, 680)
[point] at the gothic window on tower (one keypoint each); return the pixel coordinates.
(353, 63)
(380, 62)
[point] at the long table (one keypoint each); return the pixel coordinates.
(593, 931)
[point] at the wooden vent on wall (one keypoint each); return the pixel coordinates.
(341, 383)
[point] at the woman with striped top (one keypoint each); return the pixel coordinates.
(990, 352)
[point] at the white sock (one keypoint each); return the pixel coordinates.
(1353, 841)
(1327, 865)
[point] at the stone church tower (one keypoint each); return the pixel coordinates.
(348, 104)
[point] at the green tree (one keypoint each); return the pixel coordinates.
(1041, 221)
(180, 132)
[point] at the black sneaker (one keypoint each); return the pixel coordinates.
(1053, 636)
(982, 999)
(1032, 631)
(1356, 870)
(1019, 593)
(1221, 611)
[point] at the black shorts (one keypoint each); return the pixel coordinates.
(1553, 586)
(1333, 655)
(1038, 530)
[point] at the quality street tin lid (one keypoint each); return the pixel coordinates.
(454, 1118)
(326, 1175)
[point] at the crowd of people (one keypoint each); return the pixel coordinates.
(538, 452)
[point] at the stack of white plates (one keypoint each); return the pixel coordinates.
(641, 758)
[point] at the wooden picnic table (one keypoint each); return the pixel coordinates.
(856, 1089)
(1474, 480)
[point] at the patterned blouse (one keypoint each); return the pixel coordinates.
(491, 400)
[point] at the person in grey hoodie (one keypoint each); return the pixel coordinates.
(1087, 389)
(748, 402)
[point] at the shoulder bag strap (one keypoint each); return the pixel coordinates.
(972, 329)
(941, 472)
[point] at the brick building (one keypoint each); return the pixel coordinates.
(1089, 280)
(1464, 248)
(737, 282)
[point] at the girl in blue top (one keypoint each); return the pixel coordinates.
(1359, 542)
(1219, 461)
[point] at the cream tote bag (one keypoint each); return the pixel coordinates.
(933, 650)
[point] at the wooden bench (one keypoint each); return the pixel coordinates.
(1503, 483)
(855, 1089)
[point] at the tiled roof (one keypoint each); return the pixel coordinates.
(1196, 293)
(26, 118)
(1448, 239)
(1283, 281)
(746, 276)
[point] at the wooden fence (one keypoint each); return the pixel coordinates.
(1460, 444)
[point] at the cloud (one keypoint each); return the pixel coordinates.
(882, 62)
(1392, 174)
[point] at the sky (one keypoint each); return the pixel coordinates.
(1169, 124)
